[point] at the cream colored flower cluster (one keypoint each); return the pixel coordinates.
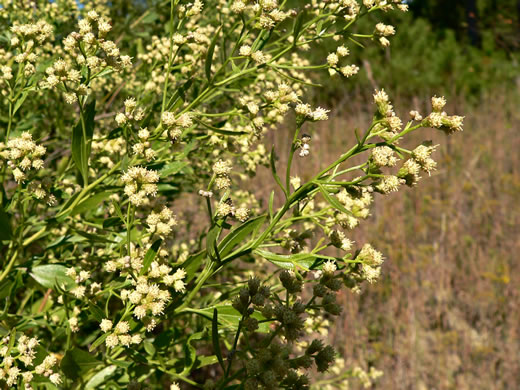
(333, 60)
(88, 48)
(440, 120)
(176, 124)
(221, 170)
(390, 124)
(383, 156)
(371, 263)
(226, 208)
(41, 191)
(26, 38)
(22, 155)
(39, 31)
(161, 223)
(132, 113)
(139, 184)
(24, 351)
(118, 335)
(82, 278)
(357, 206)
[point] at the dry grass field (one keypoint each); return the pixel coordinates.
(446, 314)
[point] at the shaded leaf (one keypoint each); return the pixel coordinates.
(90, 203)
(301, 260)
(215, 338)
(76, 362)
(48, 275)
(211, 51)
(150, 256)
(100, 377)
(239, 234)
(5, 225)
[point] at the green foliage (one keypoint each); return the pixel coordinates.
(133, 253)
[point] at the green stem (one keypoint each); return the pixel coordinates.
(289, 162)
(9, 266)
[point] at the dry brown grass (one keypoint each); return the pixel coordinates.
(446, 314)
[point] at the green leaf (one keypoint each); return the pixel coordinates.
(191, 352)
(203, 361)
(100, 340)
(211, 240)
(229, 317)
(100, 377)
(149, 348)
(150, 256)
(219, 130)
(239, 234)
(96, 311)
(90, 203)
(111, 222)
(271, 205)
(215, 338)
(333, 201)
(211, 51)
(172, 168)
(272, 158)
(192, 264)
(118, 211)
(81, 139)
(21, 100)
(179, 96)
(76, 362)
(48, 275)
(298, 23)
(301, 260)
(5, 225)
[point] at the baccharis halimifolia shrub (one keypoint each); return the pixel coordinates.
(133, 252)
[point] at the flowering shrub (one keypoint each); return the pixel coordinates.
(132, 254)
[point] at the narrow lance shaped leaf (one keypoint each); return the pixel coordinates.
(332, 201)
(150, 256)
(215, 338)
(211, 51)
(81, 137)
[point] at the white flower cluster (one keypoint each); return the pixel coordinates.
(147, 296)
(338, 239)
(440, 120)
(22, 155)
(258, 56)
(119, 336)
(222, 169)
(139, 184)
(144, 147)
(41, 191)
(390, 124)
(24, 351)
(357, 206)
(161, 223)
(226, 208)
(383, 31)
(89, 48)
(333, 60)
(383, 156)
(305, 110)
(371, 263)
(175, 125)
(132, 113)
(421, 156)
(40, 31)
(82, 280)
(389, 183)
